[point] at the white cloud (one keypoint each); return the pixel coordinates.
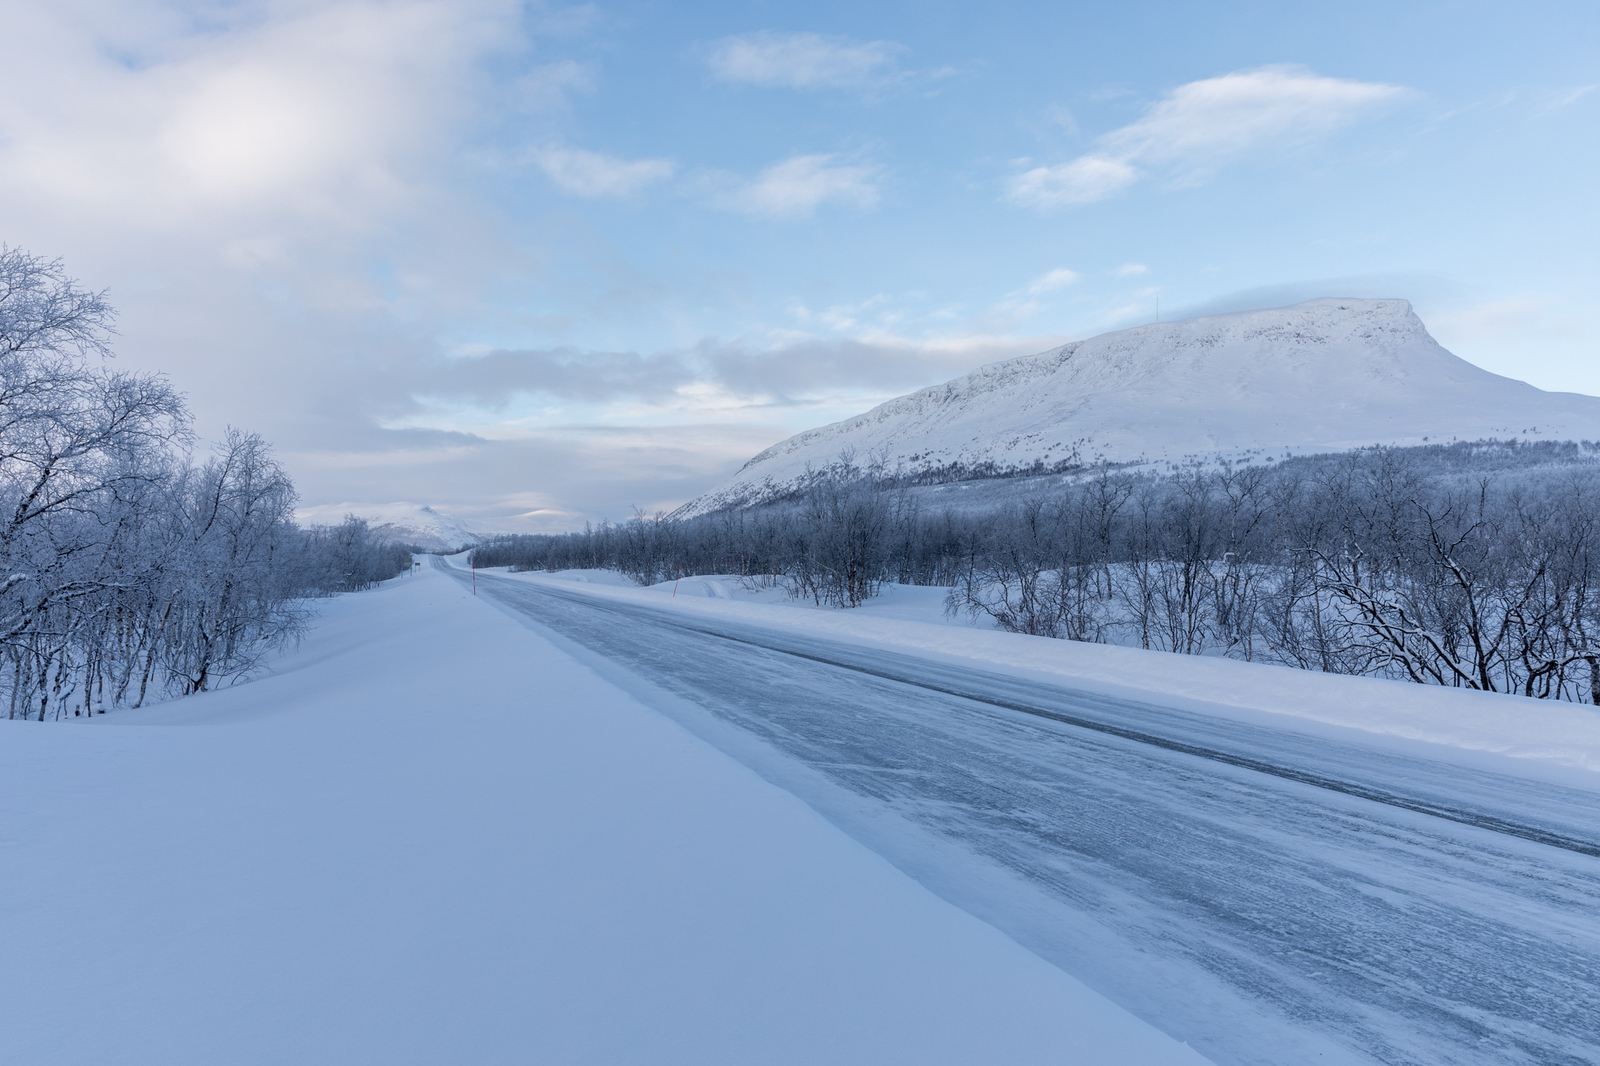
(1059, 278)
(877, 314)
(140, 115)
(1202, 125)
(277, 181)
(1493, 318)
(1131, 270)
(546, 87)
(1564, 97)
(1084, 180)
(584, 173)
(1021, 304)
(800, 184)
(1210, 120)
(802, 60)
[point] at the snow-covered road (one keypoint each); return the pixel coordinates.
(1267, 895)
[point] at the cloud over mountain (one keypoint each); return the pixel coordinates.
(1201, 126)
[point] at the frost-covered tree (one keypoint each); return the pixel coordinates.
(125, 568)
(1470, 565)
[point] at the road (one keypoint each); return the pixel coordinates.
(1268, 896)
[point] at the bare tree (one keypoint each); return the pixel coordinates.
(124, 568)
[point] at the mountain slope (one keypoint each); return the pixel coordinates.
(403, 523)
(1324, 375)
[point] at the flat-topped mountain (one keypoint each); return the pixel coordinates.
(1326, 375)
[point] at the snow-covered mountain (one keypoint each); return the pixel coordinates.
(405, 523)
(1324, 375)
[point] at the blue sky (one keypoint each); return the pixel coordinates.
(539, 264)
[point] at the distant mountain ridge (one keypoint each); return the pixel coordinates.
(403, 523)
(1325, 375)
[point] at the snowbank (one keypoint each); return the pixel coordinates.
(1511, 734)
(430, 837)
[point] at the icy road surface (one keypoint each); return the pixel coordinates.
(1266, 896)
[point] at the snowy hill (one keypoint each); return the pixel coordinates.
(404, 523)
(1325, 375)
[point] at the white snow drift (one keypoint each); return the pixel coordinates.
(1325, 375)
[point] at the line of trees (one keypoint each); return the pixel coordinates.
(1472, 566)
(128, 570)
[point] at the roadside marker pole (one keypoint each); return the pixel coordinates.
(675, 583)
(474, 576)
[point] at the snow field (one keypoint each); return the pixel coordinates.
(431, 837)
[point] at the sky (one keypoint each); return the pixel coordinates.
(537, 265)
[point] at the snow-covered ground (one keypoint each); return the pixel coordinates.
(429, 836)
(1508, 734)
